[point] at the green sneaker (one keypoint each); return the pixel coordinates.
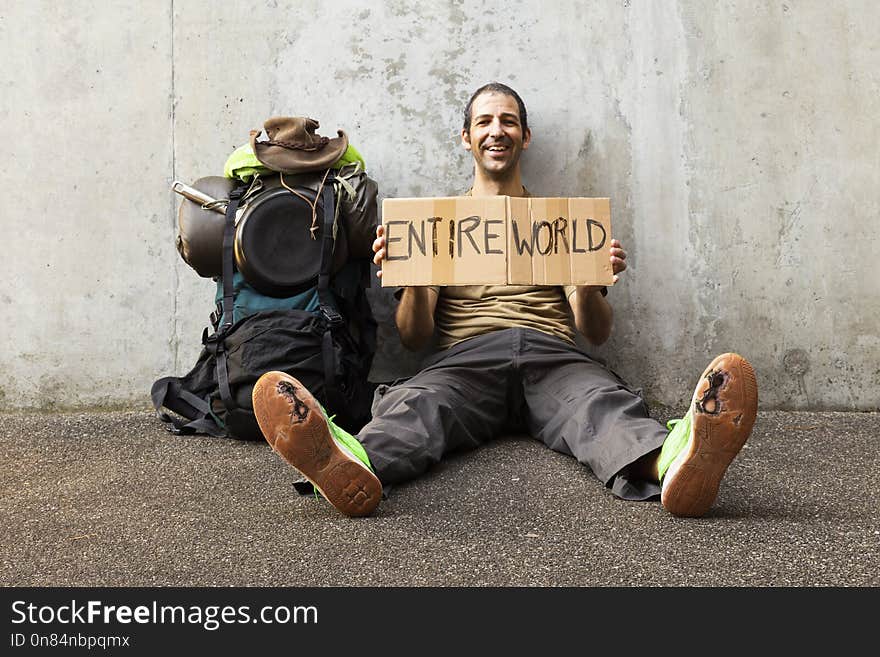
(298, 429)
(676, 440)
(701, 445)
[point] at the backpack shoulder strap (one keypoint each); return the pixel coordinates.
(325, 297)
(214, 342)
(329, 308)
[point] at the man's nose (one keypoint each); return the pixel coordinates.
(495, 128)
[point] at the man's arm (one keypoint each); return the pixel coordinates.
(593, 315)
(415, 316)
(415, 313)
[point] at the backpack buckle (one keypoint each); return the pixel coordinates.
(216, 315)
(214, 342)
(331, 316)
(209, 338)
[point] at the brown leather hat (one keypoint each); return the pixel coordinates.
(293, 146)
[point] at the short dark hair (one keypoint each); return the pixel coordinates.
(496, 87)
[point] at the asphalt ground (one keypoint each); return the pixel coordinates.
(113, 499)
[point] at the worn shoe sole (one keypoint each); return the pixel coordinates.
(724, 407)
(294, 425)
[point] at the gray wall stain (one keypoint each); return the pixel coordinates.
(797, 363)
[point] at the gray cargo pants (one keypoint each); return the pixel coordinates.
(513, 380)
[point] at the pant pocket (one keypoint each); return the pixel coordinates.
(383, 388)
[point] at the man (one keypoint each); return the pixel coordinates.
(507, 361)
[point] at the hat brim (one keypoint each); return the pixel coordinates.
(290, 160)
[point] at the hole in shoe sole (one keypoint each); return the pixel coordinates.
(298, 409)
(709, 402)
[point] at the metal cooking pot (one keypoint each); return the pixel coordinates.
(274, 247)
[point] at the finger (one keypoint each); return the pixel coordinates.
(379, 274)
(615, 244)
(378, 243)
(615, 279)
(379, 257)
(620, 253)
(617, 265)
(380, 230)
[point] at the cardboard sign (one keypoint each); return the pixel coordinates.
(496, 240)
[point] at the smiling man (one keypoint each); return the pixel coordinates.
(506, 360)
(496, 131)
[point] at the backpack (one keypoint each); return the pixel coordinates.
(324, 334)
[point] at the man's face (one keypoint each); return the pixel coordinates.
(496, 137)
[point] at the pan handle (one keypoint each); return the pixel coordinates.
(207, 202)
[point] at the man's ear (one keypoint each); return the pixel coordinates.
(527, 138)
(466, 139)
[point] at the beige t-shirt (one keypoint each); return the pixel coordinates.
(466, 311)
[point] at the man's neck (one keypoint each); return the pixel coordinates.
(510, 186)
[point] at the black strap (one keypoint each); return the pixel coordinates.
(215, 342)
(229, 257)
(223, 378)
(325, 296)
(329, 309)
(193, 414)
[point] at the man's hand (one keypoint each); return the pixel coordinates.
(617, 256)
(379, 248)
(618, 259)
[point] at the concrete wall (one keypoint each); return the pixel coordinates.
(737, 140)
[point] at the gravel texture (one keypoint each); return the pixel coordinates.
(112, 499)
